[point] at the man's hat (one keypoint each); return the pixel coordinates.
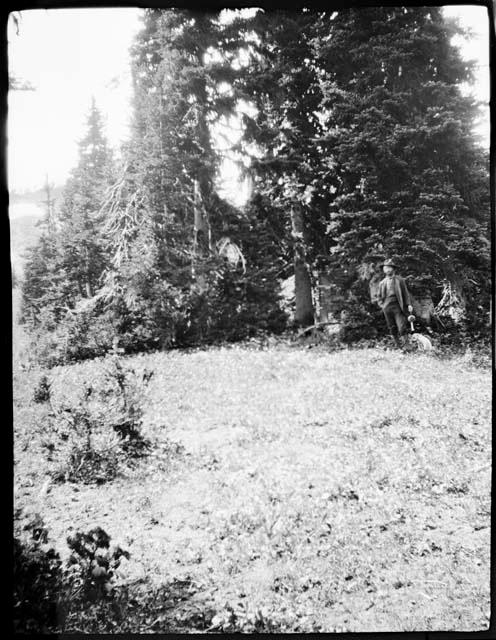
(389, 263)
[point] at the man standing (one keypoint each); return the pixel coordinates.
(394, 301)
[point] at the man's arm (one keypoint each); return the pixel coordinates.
(380, 295)
(406, 295)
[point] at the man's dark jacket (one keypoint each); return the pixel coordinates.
(400, 291)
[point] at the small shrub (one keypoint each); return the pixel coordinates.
(101, 434)
(122, 397)
(42, 390)
(356, 324)
(85, 453)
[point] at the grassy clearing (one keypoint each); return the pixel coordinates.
(306, 491)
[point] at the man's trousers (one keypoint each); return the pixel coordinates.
(396, 321)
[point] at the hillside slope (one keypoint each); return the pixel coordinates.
(291, 490)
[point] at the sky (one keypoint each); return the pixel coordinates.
(70, 55)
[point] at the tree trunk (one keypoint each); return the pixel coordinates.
(50, 208)
(304, 312)
(202, 238)
(80, 288)
(201, 228)
(87, 280)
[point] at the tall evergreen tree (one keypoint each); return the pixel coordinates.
(67, 263)
(282, 84)
(169, 155)
(41, 283)
(399, 153)
(368, 146)
(81, 242)
(172, 274)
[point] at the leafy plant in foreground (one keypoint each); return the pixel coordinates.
(94, 562)
(38, 577)
(50, 595)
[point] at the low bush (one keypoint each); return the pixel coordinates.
(46, 347)
(42, 390)
(89, 334)
(90, 455)
(51, 596)
(93, 563)
(38, 578)
(94, 438)
(72, 336)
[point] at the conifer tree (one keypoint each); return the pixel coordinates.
(282, 84)
(81, 242)
(172, 279)
(366, 135)
(39, 286)
(67, 263)
(398, 152)
(145, 283)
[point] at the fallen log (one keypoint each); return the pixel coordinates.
(317, 325)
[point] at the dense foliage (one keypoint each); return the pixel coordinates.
(409, 179)
(364, 130)
(359, 143)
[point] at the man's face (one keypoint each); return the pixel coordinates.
(388, 270)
